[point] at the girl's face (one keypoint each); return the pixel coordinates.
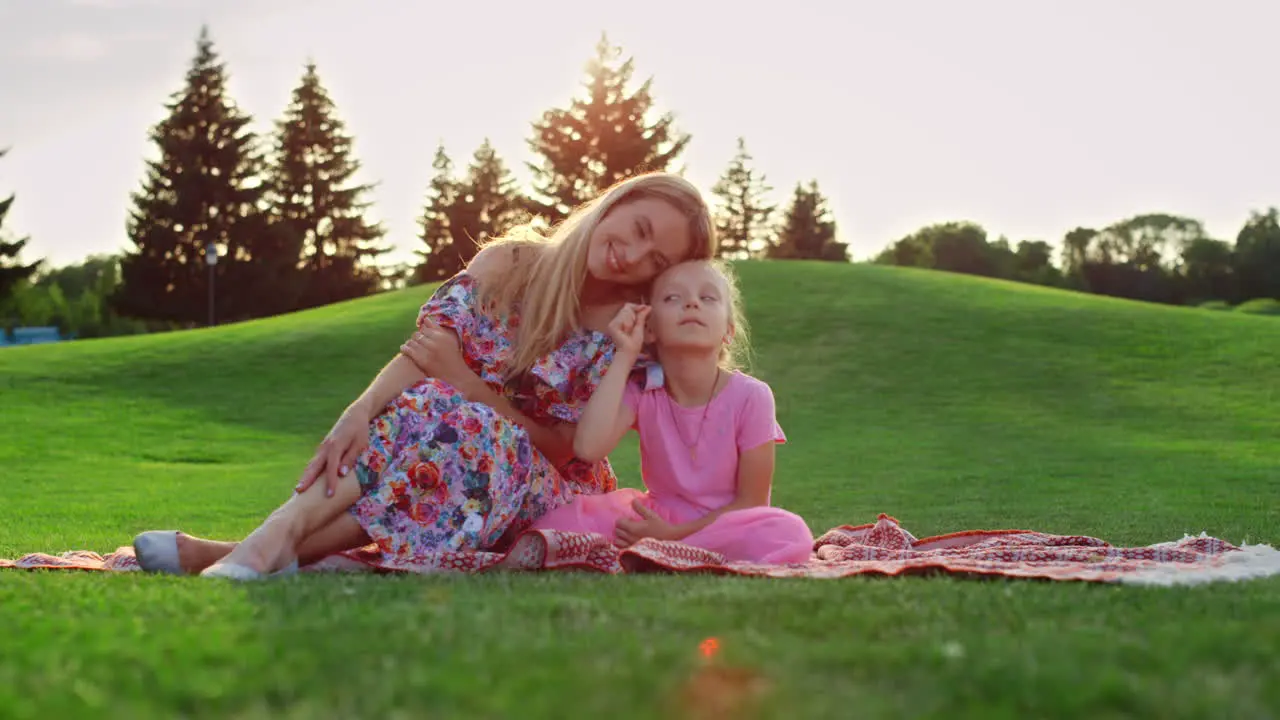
(690, 309)
(637, 240)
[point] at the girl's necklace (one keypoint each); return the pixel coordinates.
(693, 448)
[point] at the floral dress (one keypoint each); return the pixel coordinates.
(442, 473)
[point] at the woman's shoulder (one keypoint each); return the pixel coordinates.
(495, 261)
(491, 261)
(452, 294)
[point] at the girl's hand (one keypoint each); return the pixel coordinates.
(628, 532)
(627, 328)
(438, 353)
(338, 452)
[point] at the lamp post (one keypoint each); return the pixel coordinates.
(211, 258)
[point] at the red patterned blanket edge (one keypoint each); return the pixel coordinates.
(881, 548)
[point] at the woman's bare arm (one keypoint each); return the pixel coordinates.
(395, 377)
(402, 373)
(350, 434)
(553, 441)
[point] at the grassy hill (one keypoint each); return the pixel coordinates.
(950, 402)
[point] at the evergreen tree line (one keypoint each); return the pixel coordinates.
(1153, 257)
(13, 272)
(286, 223)
(607, 134)
(280, 216)
(288, 227)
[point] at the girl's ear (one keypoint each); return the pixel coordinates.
(649, 336)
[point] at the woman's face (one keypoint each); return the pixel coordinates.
(637, 240)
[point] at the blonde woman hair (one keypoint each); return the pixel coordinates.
(547, 284)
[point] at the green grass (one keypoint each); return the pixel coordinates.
(1260, 306)
(950, 402)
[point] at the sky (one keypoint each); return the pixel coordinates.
(1030, 118)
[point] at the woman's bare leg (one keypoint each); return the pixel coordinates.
(195, 554)
(274, 544)
(343, 533)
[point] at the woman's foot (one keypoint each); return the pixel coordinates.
(236, 571)
(270, 548)
(176, 553)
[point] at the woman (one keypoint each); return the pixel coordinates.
(470, 450)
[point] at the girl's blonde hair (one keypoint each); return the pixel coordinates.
(547, 283)
(736, 354)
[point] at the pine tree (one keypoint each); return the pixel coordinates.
(808, 232)
(204, 189)
(12, 272)
(322, 214)
(604, 136)
(490, 202)
(438, 256)
(742, 221)
(462, 214)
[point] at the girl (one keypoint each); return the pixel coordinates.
(474, 441)
(707, 432)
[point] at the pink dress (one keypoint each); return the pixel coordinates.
(684, 485)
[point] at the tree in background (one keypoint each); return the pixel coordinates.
(74, 298)
(1147, 241)
(489, 202)
(1137, 257)
(808, 231)
(1207, 271)
(461, 214)
(1033, 263)
(438, 255)
(962, 247)
(12, 271)
(1075, 253)
(1153, 257)
(742, 220)
(321, 212)
(603, 137)
(204, 189)
(1257, 256)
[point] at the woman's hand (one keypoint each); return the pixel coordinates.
(438, 353)
(338, 452)
(627, 328)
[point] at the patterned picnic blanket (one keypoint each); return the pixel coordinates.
(882, 548)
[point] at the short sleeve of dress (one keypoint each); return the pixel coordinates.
(757, 422)
(631, 398)
(568, 376)
(452, 305)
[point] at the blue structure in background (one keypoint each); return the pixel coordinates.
(31, 336)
